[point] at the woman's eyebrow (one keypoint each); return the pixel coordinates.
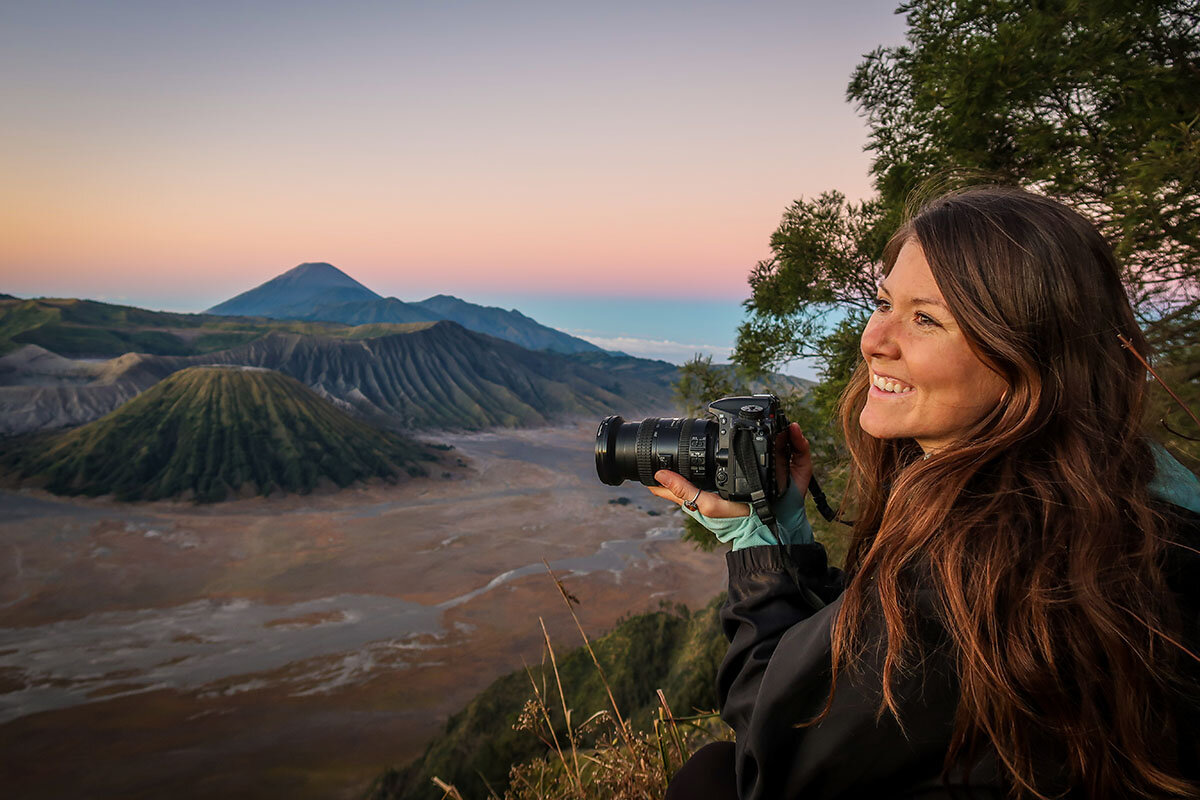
(916, 301)
(928, 301)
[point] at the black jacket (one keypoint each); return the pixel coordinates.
(782, 604)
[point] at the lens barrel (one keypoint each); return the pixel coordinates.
(636, 450)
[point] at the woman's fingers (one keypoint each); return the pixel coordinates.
(673, 487)
(801, 467)
(679, 490)
(665, 494)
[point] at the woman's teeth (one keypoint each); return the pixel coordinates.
(890, 385)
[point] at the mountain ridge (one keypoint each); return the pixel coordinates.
(319, 291)
(437, 375)
(459, 378)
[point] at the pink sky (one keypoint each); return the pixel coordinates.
(173, 158)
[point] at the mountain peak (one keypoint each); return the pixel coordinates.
(317, 274)
(296, 292)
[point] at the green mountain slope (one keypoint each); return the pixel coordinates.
(510, 325)
(412, 375)
(422, 375)
(88, 329)
(678, 654)
(208, 432)
(445, 376)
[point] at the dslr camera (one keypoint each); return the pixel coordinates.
(733, 452)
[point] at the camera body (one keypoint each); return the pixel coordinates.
(733, 452)
(760, 419)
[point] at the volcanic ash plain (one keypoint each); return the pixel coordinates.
(297, 646)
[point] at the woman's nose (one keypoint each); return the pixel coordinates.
(879, 339)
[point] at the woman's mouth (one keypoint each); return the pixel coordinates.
(889, 385)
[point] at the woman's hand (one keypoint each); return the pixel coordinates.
(734, 522)
(680, 490)
(799, 467)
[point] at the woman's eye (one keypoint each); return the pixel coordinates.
(882, 304)
(925, 319)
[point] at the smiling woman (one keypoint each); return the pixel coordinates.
(927, 383)
(1019, 613)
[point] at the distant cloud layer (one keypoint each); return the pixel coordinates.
(679, 352)
(664, 349)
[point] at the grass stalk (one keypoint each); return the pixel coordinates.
(447, 789)
(675, 736)
(663, 756)
(491, 792)
(1129, 346)
(622, 725)
(566, 712)
(549, 725)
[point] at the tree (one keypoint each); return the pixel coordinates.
(824, 264)
(700, 383)
(1094, 102)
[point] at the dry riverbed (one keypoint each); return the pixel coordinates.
(297, 646)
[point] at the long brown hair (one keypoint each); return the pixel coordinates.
(1035, 530)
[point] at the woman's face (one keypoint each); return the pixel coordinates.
(926, 383)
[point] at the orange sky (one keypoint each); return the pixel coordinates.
(174, 159)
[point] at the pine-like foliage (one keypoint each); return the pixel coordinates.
(1093, 103)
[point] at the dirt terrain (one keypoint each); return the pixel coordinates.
(297, 646)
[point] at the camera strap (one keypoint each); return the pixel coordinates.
(822, 502)
(747, 464)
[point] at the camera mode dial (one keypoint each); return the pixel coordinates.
(752, 411)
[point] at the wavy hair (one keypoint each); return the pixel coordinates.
(1035, 531)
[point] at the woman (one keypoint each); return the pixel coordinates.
(1019, 610)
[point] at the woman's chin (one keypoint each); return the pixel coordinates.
(874, 426)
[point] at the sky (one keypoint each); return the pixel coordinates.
(612, 169)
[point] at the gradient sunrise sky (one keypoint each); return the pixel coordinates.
(610, 168)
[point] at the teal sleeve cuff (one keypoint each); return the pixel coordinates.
(741, 532)
(1173, 482)
(750, 531)
(791, 520)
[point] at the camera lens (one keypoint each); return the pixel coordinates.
(636, 450)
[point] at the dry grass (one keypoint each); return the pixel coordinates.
(623, 763)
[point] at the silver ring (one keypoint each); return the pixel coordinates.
(690, 505)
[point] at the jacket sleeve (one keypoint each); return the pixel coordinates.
(779, 616)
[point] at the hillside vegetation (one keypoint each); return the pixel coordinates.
(510, 325)
(88, 329)
(207, 433)
(444, 376)
(676, 652)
